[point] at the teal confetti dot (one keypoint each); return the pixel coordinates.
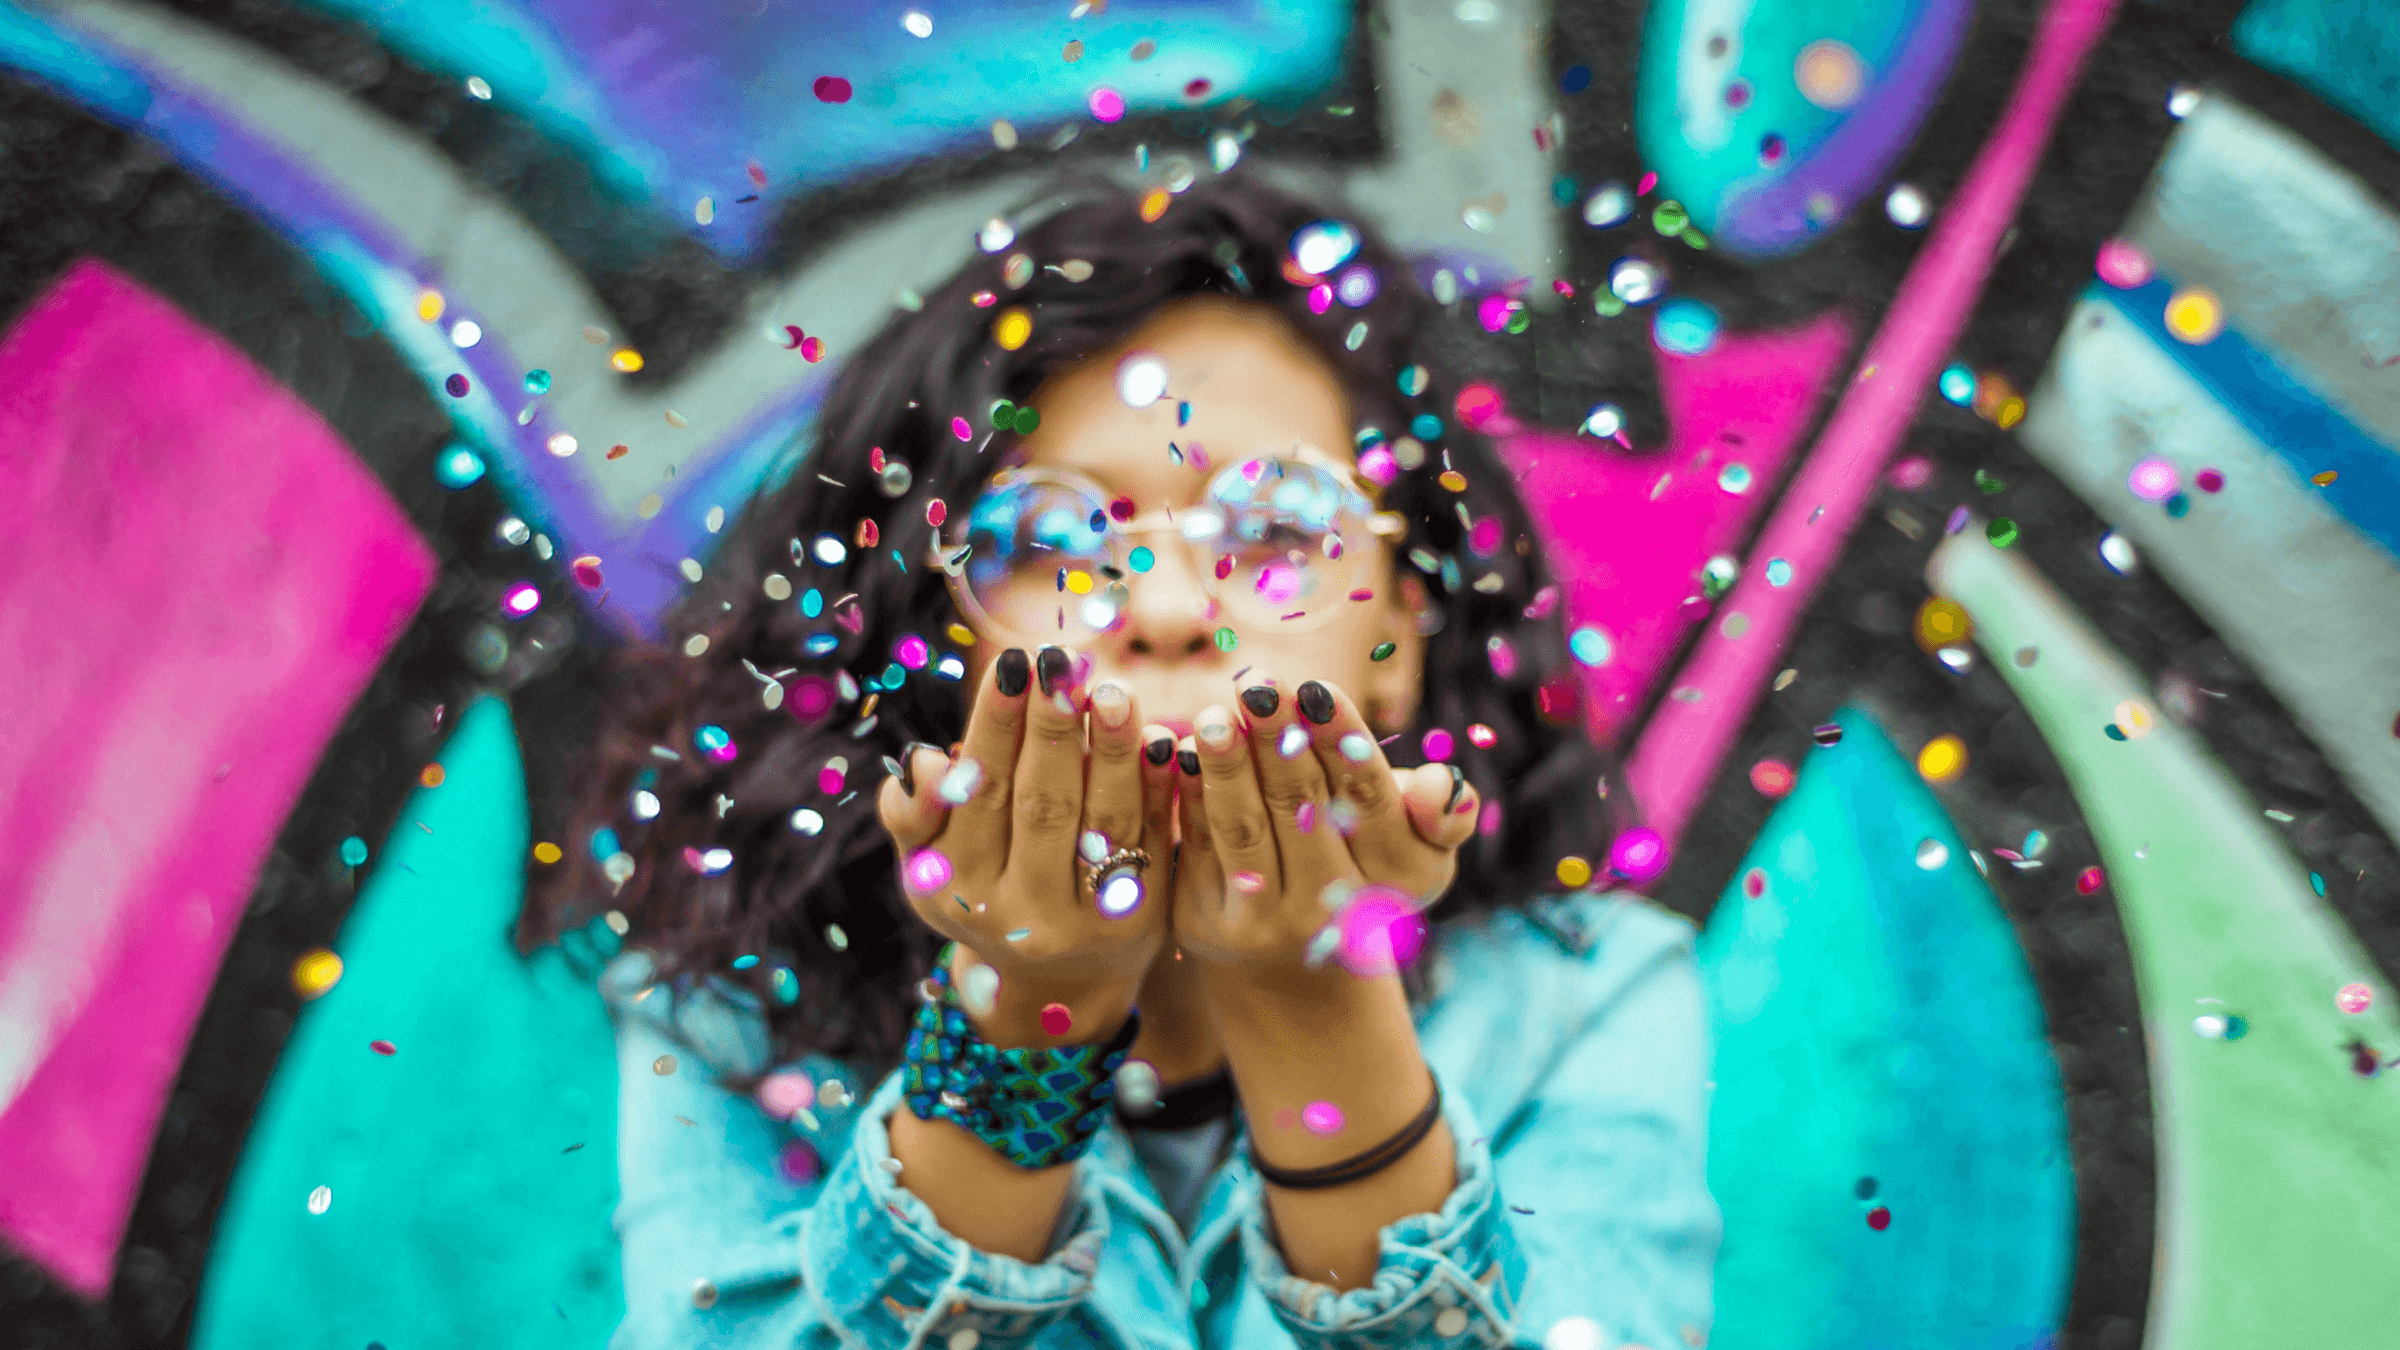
(2179, 505)
(604, 844)
(2113, 732)
(1425, 427)
(1684, 326)
(1958, 385)
(2002, 532)
(1779, 572)
(1183, 414)
(787, 986)
(537, 382)
(2316, 883)
(354, 852)
(894, 675)
(1563, 190)
(1590, 646)
(812, 602)
(745, 961)
(1142, 559)
(458, 467)
(2236, 1027)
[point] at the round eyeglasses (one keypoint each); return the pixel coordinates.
(1282, 540)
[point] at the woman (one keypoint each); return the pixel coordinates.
(1142, 558)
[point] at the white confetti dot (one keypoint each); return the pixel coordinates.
(1573, 1333)
(918, 23)
(320, 1200)
(1141, 380)
(1905, 205)
(465, 333)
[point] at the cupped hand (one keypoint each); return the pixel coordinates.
(1295, 797)
(988, 843)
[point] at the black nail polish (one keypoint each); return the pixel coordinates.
(1011, 671)
(1261, 700)
(1189, 762)
(1316, 702)
(908, 765)
(1458, 786)
(1053, 668)
(1160, 750)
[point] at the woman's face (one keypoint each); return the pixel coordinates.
(1253, 388)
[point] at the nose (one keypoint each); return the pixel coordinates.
(1171, 615)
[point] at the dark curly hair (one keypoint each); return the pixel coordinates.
(792, 881)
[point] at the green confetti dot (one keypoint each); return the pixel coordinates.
(1670, 218)
(1027, 419)
(1694, 238)
(1988, 483)
(1383, 650)
(1518, 322)
(537, 382)
(1004, 415)
(2002, 532)
(1226, 640)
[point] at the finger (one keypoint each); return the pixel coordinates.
(908, 804)
(1402, 815)
(1112, 784)
(1243, 837)
(1158, 789)
(1293, 786)
(1197, 871)
(1049, 784)
(978, 796)
(1442, 805)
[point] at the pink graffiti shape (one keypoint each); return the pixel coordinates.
(200, 578)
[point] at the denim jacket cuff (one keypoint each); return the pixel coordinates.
(882, 1264)
(1452, 1277)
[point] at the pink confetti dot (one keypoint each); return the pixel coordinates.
(1879, 1218)
(1438, 745)
(2090, 880)
(1492, 313)
(960, 429)
(587, 574)
(2122, 265)
(2354, 998)
(1772, 777)
(1057, 1019)
(928, 870)
(812, 349)
(912, 651)
(1482, 736)
(387, 1048)
(1307, 817)
(1487, 821)
(2154, 479)
(1107, 104)
(1754, 882)
(1321, 1118)
(1320, 298)
(832, 89)
(830, 780)
(1638, 854)
(1485, 537)
(1642, 188)
(1912, 473)
(1379, 466)
(1503, 657)
(936, 511)
(810, 697)
(1248, 882)
(2209, 480)
(1477, 404)
(1197, 90)
(785, 1095)
(1379, 932)
(799, 1163)
(523, 599)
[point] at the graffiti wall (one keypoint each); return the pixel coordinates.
(1965, 440)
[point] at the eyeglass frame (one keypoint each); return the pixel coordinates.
(1384, 525)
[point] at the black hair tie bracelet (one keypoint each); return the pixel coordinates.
(1361, 1166)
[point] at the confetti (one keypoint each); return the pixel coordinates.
(315, 973)
(1574, 873)
(456, 386)
(663, 1065)
(1057, 1019)
(927, 871)
(1638, 855)
(1942, 623)
(626, 361)
(831, 89)
(1323, 1118)
(1106, 105)
(320, 1200)
(1830, 734)
(1879, 1218)
(1931, 854)
(2194, 315)
(2122, 264)
(383, 1047)
(1942, 759)
(2354, 998)
(1772, 778)
(432, 776)
(2002, 532)
(548, 854)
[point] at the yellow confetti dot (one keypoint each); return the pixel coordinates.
(1574, 873)
(1012, 328)
(430, 304)
(962, 635)
(1942, 759)
(315, 972)
(2134, 719)
(2012, 411)
(1079, 582)
(2325, 478)
(433, 775)
(1942, 623)
(1829, 74)
(1154, 203)
(546, 853)
(1453, 480)
(2194, 316)
(625, 359)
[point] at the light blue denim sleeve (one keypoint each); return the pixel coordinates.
(721, 1249)
(1595, 1207)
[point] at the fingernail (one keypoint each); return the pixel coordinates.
(1458, 786)
(898, 770)
(1316, 702)
(1261, 700)
(1011, 671)
(1054, 668)
(1112, 704)
(1217, 731)
(1160, 750)
(1189, 762)
(908, 765)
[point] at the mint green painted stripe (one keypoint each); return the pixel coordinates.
(2276, 1164)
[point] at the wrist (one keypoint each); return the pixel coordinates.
(1015, 1020)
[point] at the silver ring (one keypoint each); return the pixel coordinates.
(1116, 881)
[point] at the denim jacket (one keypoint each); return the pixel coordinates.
(1570, 1037)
